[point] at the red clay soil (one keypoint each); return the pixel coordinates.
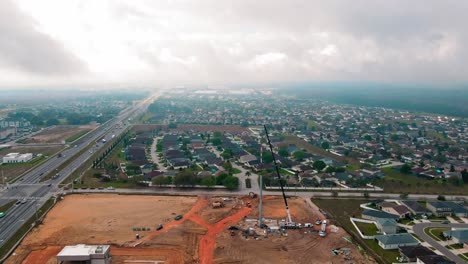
(208, 241)
(43, 255)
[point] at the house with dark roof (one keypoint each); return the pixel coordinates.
(247, 158)
(444, 208)
(150, 175)
(135, 153)
(411, 253)
(375, 214)
(416, 208)
(439, 208)
(400, 210)
(433, 259)
(395, 241)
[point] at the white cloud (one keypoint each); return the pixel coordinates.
(215, 42)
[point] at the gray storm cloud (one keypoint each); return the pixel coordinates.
(23, 47)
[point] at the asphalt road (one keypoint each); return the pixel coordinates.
(36, 193)
(419, 231)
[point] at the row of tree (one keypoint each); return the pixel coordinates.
(189, 178)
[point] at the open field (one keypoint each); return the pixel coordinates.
(13, 170)
(398, 182)
(201, 236)
(367, 229)
(58, 134)
(299, 142)
(186, 127)
(7, 206)
(340, 210)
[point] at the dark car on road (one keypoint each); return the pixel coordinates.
(178, 217)
(159, 227)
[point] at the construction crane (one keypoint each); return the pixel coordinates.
(290, 222)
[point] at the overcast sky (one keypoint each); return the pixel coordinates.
(220, 43)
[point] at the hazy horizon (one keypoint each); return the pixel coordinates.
(120, 44)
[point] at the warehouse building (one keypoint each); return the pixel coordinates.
(17, 157)
(89, 254)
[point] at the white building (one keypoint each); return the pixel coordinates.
(85, 254)
(17, 157)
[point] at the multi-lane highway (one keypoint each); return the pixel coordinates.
(36, 193)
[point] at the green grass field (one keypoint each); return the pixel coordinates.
(436, 232)
(235, 171)
(285, 172)
(312, 123)
(455, 246)
(367, 229)
(77, 135)
(340, 210)
(318, 151)
(397, 182)
(7, 206)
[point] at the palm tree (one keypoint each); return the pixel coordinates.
(248, 174)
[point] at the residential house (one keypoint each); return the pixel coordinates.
(416, 208)
(443, 208)
(395, 241)
(375, 214)
(458, 236)
(245, 159)
(439, 208)
(411, 253)
(146, 168)
(433, 259)
(386, 225)
(135, 153)
(400, 210)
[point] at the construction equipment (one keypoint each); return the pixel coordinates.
(289, 222)
(252, 195)
(323, 229)
(217, 204)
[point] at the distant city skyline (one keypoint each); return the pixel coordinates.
(53, 43)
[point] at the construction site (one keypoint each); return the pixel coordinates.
(212, 229)
(180, 229)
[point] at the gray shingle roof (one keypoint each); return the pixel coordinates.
(386, 222)
(403, 238)
(379, 214)
(460, 234)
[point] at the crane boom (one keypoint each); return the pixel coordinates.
(278, 174)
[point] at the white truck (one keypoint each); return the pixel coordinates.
(323, 229)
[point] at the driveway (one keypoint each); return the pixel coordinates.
(154, 155)
(419, 231)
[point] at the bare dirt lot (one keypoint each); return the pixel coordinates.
(201, 236)
(100, 219)
(300, 246)
(58, 134)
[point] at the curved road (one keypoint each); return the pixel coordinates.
(419, 231)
